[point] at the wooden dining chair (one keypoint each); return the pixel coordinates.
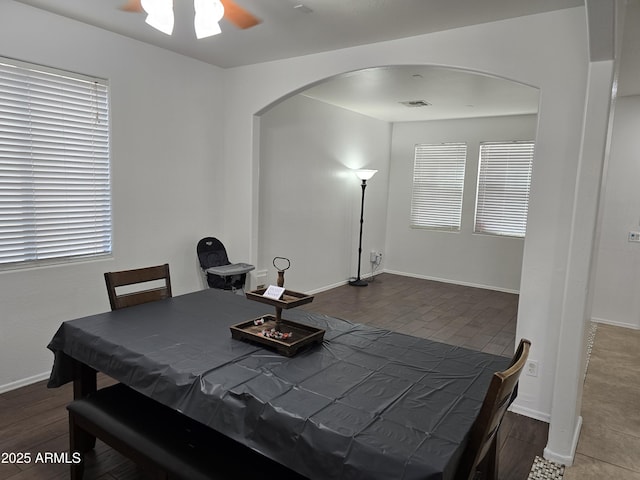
(138, 276)
(480, 458)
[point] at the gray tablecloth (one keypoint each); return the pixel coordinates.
(366, 404)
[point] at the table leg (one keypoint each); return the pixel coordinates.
(84, 380)
(84, 383)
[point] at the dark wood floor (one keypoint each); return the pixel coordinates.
(33, 419)
(475, 318)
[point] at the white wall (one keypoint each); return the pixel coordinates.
(576, 304)
(617, 282)
(459, 257)
(309, 206)
(166, 139)
(547, 51)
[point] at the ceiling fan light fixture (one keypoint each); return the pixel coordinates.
(159, 14)
(207, 15)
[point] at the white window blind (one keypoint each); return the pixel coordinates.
(55, 199)
(438, 184)
(503, 188)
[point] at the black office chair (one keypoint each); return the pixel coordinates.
(219, 271)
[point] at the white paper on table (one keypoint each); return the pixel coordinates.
(274, 292)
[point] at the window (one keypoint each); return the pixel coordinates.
(438, 183)
(55, 199)
(503, 188)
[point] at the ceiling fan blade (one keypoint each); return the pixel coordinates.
(132, 6)
(237, 15)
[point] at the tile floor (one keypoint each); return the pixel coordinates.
(545, 470)
(475, 318)
(464, 316)
(609, 444)
(33, 418)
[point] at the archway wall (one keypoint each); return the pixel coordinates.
(309, 199)
(548, 51)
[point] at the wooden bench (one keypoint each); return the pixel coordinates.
(165, 443)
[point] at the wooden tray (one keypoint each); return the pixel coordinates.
(303, 335)
(289, 299)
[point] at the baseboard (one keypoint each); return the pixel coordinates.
(24, 382)
(615, 324)
(415, 275)
(339, 284)
(454, 282)
(566, 460)
(528, 412)
(327, 287)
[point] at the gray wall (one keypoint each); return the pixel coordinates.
(617, 280)
(459, 257)
(309, 197)
(166, 142)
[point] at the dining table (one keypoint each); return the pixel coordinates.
(365, 403)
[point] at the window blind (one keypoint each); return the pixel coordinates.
(504, 179)
(55, 199)
(438, 184)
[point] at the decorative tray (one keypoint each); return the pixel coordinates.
(289, 299)
(300, 334)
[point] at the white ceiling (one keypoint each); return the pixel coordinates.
(450, 93)
(286, 31)
(325, 25)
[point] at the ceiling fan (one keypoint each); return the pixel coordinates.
(207, 15)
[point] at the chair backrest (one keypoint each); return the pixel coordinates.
(138, 275)
(483, 435)
(211, 253)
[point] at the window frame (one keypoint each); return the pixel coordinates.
(513, 224)
(450, 165)
(55, 196)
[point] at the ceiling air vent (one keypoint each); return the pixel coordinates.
(416, 103)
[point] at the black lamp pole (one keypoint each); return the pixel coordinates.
(358, 282)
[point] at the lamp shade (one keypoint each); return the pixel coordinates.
(365, 174)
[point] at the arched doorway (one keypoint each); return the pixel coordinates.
(309, 200)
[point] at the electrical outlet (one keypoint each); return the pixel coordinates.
(375, 257)
(634, 236)
(532, 368)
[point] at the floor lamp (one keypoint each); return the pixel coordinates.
(363, 175)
